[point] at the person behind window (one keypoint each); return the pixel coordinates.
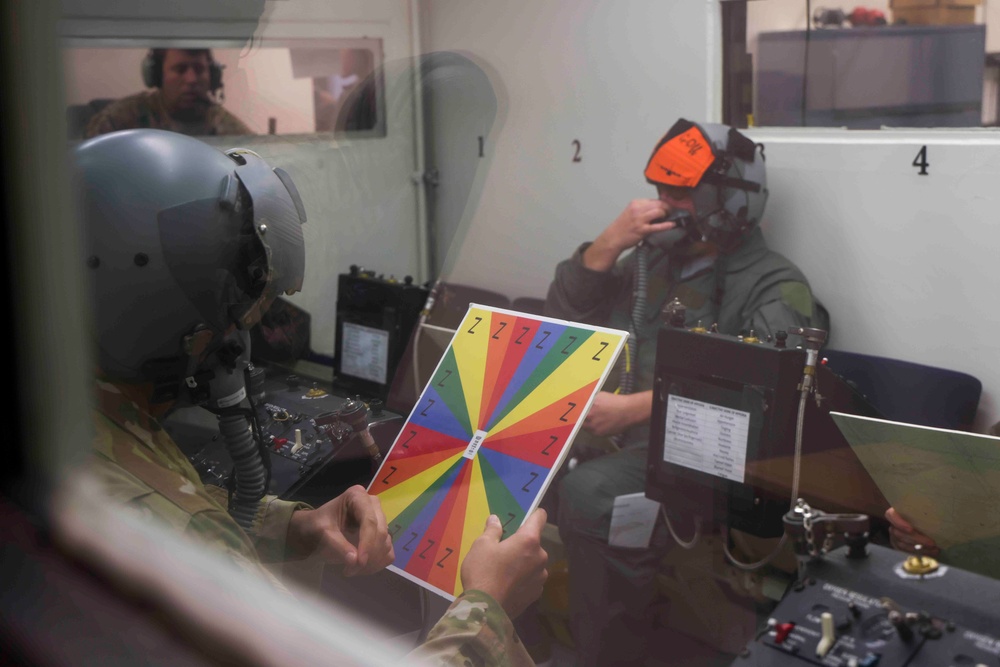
(699, 242)
(186, 247)
(185, 84)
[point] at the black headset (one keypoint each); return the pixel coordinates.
(152, 69)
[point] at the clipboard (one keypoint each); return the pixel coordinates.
(946, 483)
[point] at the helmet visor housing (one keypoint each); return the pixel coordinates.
(180, 238)
(252, 251)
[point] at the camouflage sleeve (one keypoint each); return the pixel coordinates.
(474, 632)
(269, 537)
(270, 525)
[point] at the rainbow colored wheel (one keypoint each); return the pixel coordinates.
(487, 434)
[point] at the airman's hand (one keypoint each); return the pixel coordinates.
(610, 414)
(349, 530)
(631, 226)
(903, 536)
(513, 571)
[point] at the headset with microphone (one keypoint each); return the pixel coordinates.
(723, 171)
(152, 70)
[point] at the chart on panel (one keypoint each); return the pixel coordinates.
(489, 431)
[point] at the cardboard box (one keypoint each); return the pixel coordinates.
(941, 15)
(897, 4)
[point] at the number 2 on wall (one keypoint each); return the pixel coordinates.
(921, 161)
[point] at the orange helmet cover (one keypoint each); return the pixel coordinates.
(681, 160)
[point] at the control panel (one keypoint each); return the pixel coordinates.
(375, 317)
(319, 442)
(728, 412)
(879, 611)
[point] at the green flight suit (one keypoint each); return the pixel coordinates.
(752, 288)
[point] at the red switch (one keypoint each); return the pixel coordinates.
(781, 631)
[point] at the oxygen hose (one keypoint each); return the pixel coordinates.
(664, 241)
(638, 315)
(251, 478)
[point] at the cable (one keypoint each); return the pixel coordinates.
(796, 468)
(628, 367)
(416, 367)
(681, 543)
(749, 567)
(421, 323)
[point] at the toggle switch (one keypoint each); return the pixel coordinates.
(781, 632)
(829, 637)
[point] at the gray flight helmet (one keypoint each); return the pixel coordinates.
(730, 196)
(184, 244)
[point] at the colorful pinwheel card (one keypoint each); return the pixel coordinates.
(487, 435)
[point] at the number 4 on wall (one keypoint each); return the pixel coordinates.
(921, 162)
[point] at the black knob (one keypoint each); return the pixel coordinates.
(675, 313)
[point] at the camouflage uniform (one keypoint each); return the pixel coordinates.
(611, 588)
(474, 632)
(141, 468)
(146, 110)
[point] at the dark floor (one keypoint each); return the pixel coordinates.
(668, 648)
(400, 607)
(562, 657)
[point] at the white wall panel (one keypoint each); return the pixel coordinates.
(613, 76)
(906, 263)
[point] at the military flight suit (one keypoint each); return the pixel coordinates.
(146, 110)
(751, 288)
(140, 467)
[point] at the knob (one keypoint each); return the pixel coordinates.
(674, 313)
(919, 563)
